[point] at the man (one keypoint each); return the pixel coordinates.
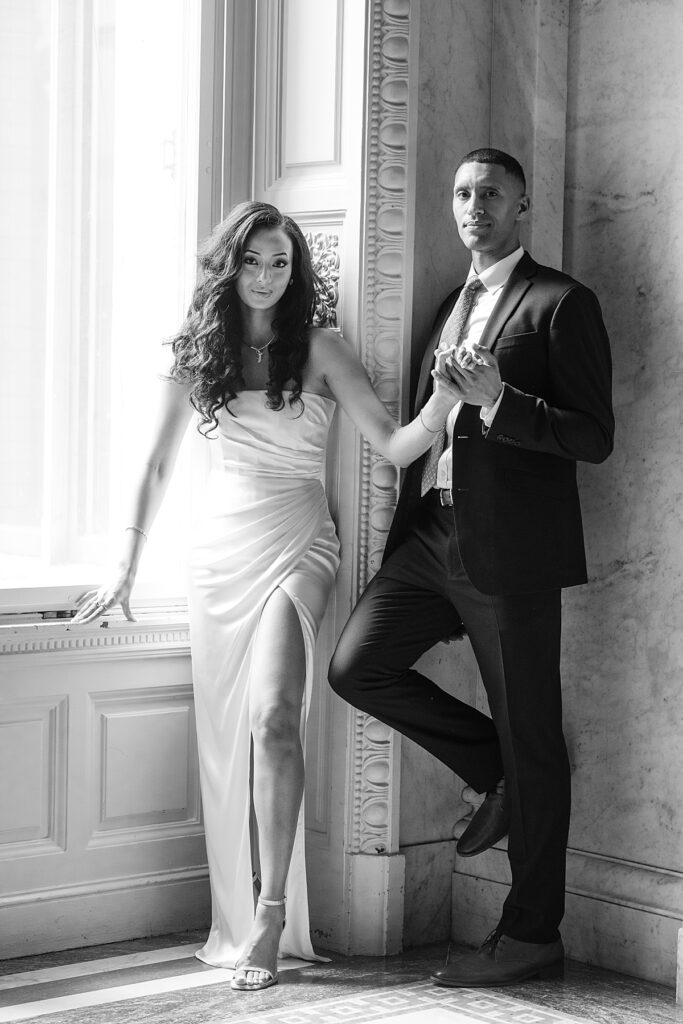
(486, 533)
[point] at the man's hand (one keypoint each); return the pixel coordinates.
(444, 385)
(476, 376)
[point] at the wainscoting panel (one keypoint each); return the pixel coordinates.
(144, 771)
(101, 833)
(310, 129)
(300, 55)
(33, 774)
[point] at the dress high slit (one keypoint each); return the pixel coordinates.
(264, 524)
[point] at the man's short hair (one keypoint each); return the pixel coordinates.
(496, 156)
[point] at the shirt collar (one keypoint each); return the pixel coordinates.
(496, 276)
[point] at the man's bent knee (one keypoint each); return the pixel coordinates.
(346, 672)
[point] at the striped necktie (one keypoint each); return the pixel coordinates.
(451, 335)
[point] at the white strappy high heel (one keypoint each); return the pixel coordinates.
(241, 984)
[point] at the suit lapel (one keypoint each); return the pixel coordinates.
(518, 284)
(514, 290)
(424, 380)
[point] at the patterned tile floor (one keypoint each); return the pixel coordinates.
(159, 980)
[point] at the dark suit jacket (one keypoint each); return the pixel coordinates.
(516, 514)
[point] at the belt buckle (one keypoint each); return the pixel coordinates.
(448, 492)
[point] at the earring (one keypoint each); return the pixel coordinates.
(291, 282)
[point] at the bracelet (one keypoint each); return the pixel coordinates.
(437, 431)
(138, 529)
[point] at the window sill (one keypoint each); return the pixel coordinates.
(157, 632)
(56, 601)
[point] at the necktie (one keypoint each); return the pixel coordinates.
(452, 333)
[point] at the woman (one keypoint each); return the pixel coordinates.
(264, 383)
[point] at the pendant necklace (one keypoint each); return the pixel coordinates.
(259, 351)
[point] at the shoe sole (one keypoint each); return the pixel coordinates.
(545, 973)
(481, 849)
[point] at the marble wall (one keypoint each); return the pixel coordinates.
(454, 112)
(453, 117)
(588, 94)
(624, 634)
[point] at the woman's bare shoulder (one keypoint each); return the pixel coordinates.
(328, 353)
(327, 348)
(323, 336)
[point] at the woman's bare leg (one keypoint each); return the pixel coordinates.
(275, 698)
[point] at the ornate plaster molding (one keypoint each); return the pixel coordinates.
(324, 249)
(106, 639)
(385, 318)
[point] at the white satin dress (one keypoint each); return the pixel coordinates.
(264, 524)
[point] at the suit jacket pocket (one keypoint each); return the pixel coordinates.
(508, 340)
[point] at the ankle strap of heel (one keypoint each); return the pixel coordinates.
(272, 903)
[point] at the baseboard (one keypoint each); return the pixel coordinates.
(619, 915)
(112, 910)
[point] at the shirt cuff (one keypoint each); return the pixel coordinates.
(488, 414)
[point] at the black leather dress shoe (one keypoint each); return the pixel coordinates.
(503, 961)
(490, 823)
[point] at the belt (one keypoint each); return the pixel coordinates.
(446, 496)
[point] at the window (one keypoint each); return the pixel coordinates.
(98, 235)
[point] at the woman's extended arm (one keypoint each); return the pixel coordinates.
(339, 368)
(173, 414)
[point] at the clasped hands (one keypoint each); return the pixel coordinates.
(474, 375)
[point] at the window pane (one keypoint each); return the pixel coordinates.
(100, 107)
(24, 117)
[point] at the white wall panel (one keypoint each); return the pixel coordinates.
(23, 809)
(32, 770)
(138, 781)
(144, 760)
(101, 835)
(308, 88)
(311, 83)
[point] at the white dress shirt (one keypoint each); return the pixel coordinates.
(493, 279)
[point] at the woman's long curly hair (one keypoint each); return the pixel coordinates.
(208, 346)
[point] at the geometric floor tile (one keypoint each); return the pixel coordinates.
(420, 1003)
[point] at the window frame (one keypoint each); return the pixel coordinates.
(224, 169)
